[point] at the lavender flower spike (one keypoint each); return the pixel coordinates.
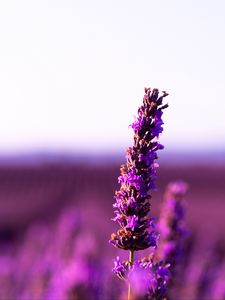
(138, 176)
(171, 224)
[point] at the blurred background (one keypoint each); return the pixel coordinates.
(72, 77)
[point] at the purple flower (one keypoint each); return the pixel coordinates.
(132, 222)
(171, 224)
(132, 206)
(120, 268)
(138, 177)
(147, 278)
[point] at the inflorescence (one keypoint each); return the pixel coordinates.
(132, 206)
(171, 225)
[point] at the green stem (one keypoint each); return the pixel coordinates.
(131, 260)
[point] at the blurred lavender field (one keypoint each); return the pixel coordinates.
(55, 226)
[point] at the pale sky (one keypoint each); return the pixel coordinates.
(73, 73)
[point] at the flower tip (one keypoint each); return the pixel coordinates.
(165, 106)
(147, 90)
(178, 187)
(165, 93)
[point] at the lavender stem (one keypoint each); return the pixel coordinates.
(131, 260)
(129, 292)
